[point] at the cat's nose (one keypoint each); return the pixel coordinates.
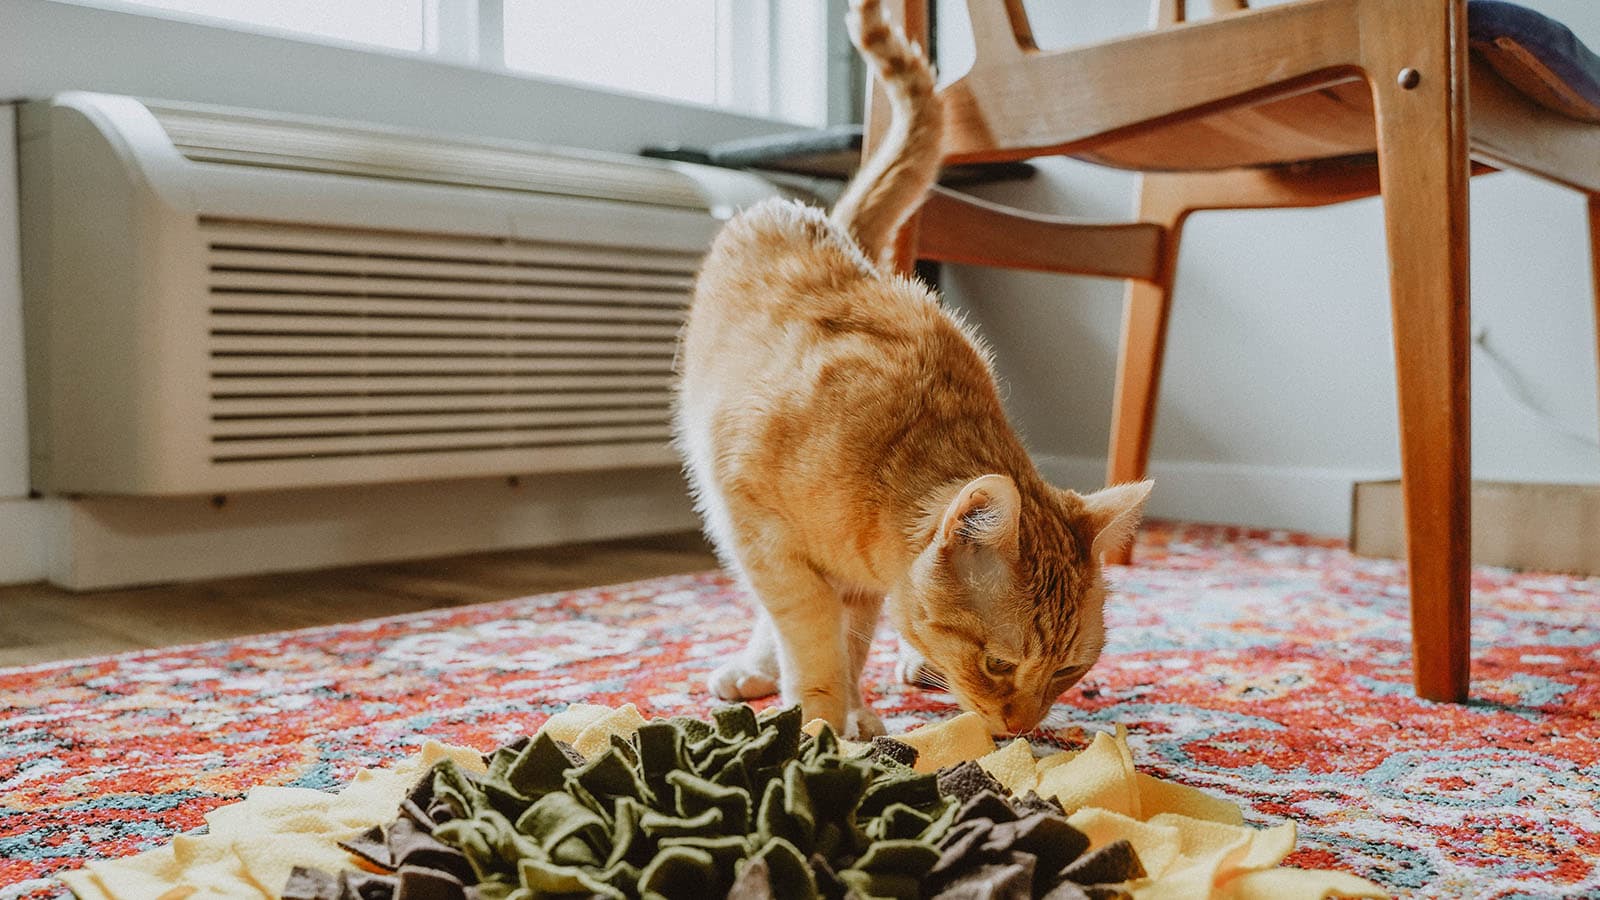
(1017, 722)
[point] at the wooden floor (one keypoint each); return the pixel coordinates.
(39, 623)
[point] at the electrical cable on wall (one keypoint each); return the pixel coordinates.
(1504, 373)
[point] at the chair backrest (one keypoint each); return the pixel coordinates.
(1170, 12)
(1001, 26)
(1019, 101)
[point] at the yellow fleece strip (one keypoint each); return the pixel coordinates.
(250, 847)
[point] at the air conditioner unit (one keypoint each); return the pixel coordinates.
(219, 300)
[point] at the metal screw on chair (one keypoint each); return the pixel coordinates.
(1409, 78)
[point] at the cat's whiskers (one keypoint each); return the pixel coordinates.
(868, 636)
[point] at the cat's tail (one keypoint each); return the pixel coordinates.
(894, 181)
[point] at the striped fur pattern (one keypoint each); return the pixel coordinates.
(894, 180)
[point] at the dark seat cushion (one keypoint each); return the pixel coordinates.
(1541, 57)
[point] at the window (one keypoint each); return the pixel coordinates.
(770, 58)
(766, 58)
(397, 24)
(644, 46)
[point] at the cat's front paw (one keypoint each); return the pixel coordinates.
(738, 680)
(862, 724)
(913, 669)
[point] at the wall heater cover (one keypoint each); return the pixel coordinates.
(217, 300)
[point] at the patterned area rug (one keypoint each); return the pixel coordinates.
(1263, 666)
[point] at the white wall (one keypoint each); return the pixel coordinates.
(1279, 385)
(1279, 388)
(47, 47)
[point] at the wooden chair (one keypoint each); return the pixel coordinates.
(1302, 104)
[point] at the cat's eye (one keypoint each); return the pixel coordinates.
(994, 665)
(1066, 672)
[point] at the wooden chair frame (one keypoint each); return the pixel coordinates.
(1412, 58)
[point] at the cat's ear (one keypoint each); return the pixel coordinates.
(983, 513)
(1111, 516)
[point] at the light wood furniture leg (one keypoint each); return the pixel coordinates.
(1420, 98)
(1147, 305)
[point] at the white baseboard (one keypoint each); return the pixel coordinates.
(116, 542)
(27, 530)
(1315, 501)
(97, 543)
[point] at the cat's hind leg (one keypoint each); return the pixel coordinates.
(754, 672)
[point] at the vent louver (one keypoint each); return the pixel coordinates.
(211, 135)
(330, 343)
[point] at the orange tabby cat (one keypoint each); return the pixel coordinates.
(846, 442)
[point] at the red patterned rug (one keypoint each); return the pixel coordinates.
(1260, 665)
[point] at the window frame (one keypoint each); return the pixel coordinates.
(471, 33)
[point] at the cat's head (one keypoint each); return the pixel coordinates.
(1005, 599)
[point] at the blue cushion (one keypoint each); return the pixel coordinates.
(1541, 57)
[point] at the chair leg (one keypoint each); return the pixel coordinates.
(1594, 258)
(1423, 166)
(1147, 306)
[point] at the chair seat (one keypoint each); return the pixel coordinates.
(1541, 57)
(1538, 56)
